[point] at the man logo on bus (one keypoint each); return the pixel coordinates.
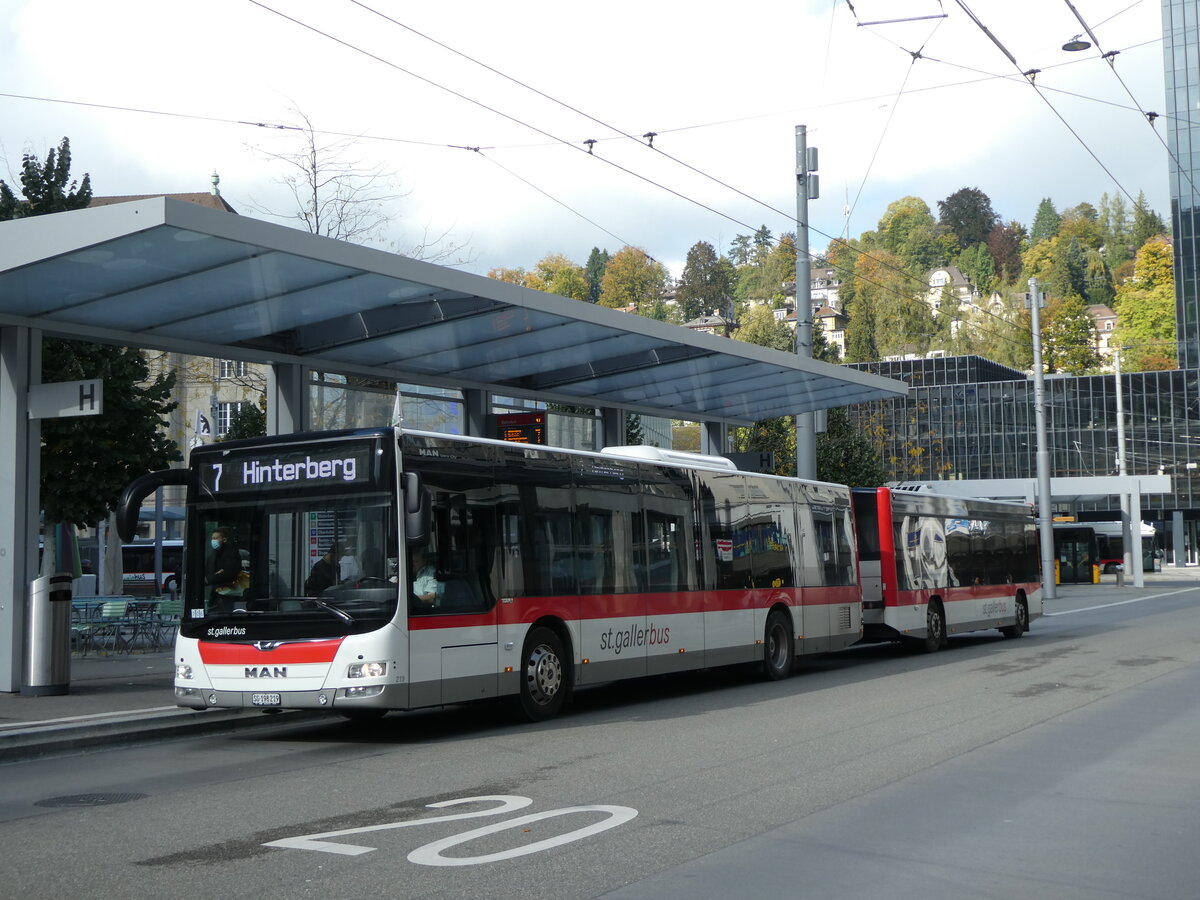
(266, 671)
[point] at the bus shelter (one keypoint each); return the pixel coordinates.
(173, 276)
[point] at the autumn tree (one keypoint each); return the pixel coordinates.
(1145, 307)
(847, 456)
(634, 279)
(968, 213)
(777, 435)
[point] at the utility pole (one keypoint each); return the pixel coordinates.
(1036, 300)
(807, 188)
(1131, 532)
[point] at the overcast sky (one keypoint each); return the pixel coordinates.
(157, 95)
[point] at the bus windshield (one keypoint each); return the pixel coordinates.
(309, 566)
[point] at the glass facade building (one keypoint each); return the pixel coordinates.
(967, 418)
(1181, 59)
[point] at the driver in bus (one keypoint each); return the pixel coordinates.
(425, 586)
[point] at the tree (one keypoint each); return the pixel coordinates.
(1045, 222)
(706, 283)
(1115, 229)
(597, 261)
(1082, 223)
(249, 421)
(1145, 307)
(977, 264)
(1146, 222)
(968, 213)
(1068, 269)
(87, 461)
(775, 435)
(845, 455)
(45, 188)
(1067, 336)
(886, 315)
(339, 196)
(633, 278)
(1004, 244)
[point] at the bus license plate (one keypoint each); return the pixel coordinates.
(265, 700)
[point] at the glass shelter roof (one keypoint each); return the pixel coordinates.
(171, 275)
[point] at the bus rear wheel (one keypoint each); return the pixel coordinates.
(778, 647)
(545, 682)
(935, 628)
(1021, 625)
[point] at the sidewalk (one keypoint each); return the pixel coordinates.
(126, 698)
(111, 699)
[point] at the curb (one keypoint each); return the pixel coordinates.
(30, 740)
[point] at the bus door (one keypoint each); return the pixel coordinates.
(453, 644)
(1075, 550)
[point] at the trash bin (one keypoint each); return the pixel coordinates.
(48, 637)
(1120, 570)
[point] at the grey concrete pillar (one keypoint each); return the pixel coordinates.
(289, 407)
(20, 473)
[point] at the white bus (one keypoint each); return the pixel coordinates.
(537, 569)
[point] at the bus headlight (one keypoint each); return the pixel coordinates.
(184, 671)
(367, 670)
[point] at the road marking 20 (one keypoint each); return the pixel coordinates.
(431, 854)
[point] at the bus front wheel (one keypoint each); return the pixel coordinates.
(545, 682)
(777, 647)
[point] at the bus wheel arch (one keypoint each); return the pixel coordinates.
(1021, 625)
(779, 644)
(546, 676)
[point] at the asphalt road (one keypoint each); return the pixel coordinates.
(1063, 765)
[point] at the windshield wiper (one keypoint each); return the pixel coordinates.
(329, 607)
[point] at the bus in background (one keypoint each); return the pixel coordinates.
(138, 577)
(934, 565)
(1086, 550)
(483, 569)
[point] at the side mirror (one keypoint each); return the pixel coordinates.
(138, 490)
(418, 505)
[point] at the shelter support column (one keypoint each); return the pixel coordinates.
(713, 436)
(1178, 540)
(476, 406)
(612, 426)
(20, 473)
(288, 403)
(1137, 556)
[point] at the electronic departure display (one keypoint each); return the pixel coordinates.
(265, 469)
(522, 428)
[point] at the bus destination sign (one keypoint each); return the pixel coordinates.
(266, 470)
(522, 428)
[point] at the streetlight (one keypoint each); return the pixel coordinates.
(1076, 44)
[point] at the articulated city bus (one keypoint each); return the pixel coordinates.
(934, 565)
(387, 569)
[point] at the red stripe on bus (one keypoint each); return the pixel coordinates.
(616, 606)
(292, 652)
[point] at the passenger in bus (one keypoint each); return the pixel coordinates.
(425, 586)
(324, 573)
(223, 568)
(348, 568)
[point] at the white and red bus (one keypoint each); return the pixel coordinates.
(934, 565)
(387, 569)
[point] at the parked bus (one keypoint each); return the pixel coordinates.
(482, 568)
(934, 565)
(139, 578)
(1085, 550)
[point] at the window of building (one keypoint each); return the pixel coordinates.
(231, 368)
(225, 415)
